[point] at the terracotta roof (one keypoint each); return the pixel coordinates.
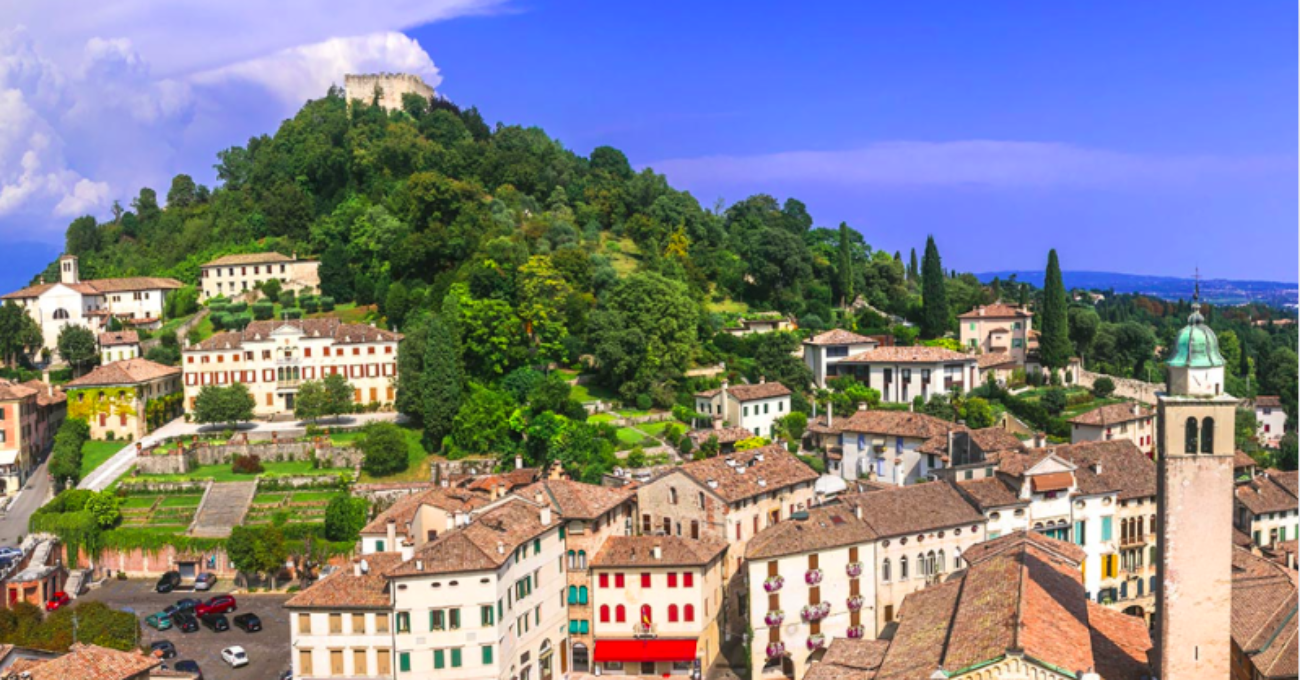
(997, 311)
(44, 394)
(918, 354)
(1241, 459)
(827, 526)
(404, 510)
(92, 662)
(849, 659)
(576, 500)
(344, 588)
(895, 424)
(485, 543)
(745, 474)
(12, 391)
(125, 372)
(990, 492)
(342, 333)
(119, 338)
(100, 286)
(725, 435)
(249, 258)
(1124, 468)
(991, 359)
(1052, 481)
(510, 480)
(837, 336)
(1113, 414)
(1022, 591)
(1268, 492)
(764, 390)
(1268, 402)
(1264, 614)
(993, 439)
(674, 551)
(914, 509)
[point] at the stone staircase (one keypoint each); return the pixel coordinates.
(224, 506)
(41, 556)
(76, 582)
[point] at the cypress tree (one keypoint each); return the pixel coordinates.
(1054, 326)
(934, 293)
(912, 270)
(846, 266)
(441, 383)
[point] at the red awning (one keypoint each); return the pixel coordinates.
(644, 650)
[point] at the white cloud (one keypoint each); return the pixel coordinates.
(977, 163)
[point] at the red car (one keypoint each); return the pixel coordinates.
(217, 605)
(59, 599)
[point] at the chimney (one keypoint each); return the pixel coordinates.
(545, 517)
(356, 569)
(830, 413)
(537, 497)
(863, 406)
(762, 379)
(1096, 468)
(1135, 408)
(392, 534)
(981, 311)
(419, 565)
(857, 511)
(519, 462)
(658, 553)
(501, 548)
(717, 423)
(365, 566)
(1040, 440)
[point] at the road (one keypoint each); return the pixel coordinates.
(122, 461)
(32, 496)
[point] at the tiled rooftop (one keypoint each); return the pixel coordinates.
(125, 372)
(745, 474)
(674, 551)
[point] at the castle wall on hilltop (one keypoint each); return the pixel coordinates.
(393, 86)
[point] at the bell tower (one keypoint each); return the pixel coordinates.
(1194, 505)
(68, 269)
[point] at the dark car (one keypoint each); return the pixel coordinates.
(184, 605)
(217, 605)
(187, 666)
(162, 649)
(249, 622)
(217, 622)
(168, 582)
(185, 622)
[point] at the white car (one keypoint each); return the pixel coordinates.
(235, 656)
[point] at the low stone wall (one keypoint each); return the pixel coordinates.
(639, 420)
(181, 331)
(1126, 388)
(139, 563)
(204, 453)
(445, 470)
(389, 493)
(297, 482)
(136, 485)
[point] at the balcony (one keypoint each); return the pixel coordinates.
(288, 361)
(1133, 541)
(288, 384)
(644, 631)
(773, 583)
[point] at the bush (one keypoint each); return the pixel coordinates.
(237, 307)
(345, 516)
(309, 303)
(294, 313)
(1054, 400)
(384, 446)
(288, 299)
(263, 310)
(644, 402)
(246, 465)
(1103, 387)
(326, 303)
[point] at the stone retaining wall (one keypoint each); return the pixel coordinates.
(1126, 388)
(204, 453)
(388, 493)
(144, 487)
(466, 466)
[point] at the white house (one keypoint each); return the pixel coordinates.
(1266, 508)
(1131, 421)
(234, 275)
(824, 351)
(884, 446)
(1270, 420)
(904, 373)
(752, 407)
(118, 346)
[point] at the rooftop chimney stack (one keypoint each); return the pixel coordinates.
(519, 462)
(658, 553)
(392, 534)
(545, 516)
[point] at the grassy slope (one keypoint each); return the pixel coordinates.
(93, 454)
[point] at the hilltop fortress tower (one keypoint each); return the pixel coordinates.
(391, 85)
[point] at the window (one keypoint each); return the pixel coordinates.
(744, 411)
(404, 662)
(672, 495)
(700, 499)
(304, 624)
(672, 579)
(304, 662)
(336, 623)
(1207, 435)
(884, 571)
(618, 581)
(688, 613)
(537, 545)
(454, 619)
(1106, 528)
(604, 580)
(620, 614)
(455, 657)
(688, 580)
(582, 594)
(437, 619)
(672, 613)
(403, 622)
(1079, 532)
(582, 559)
(381, 624)
(889, 613)
(1189, 433)
(485, 615)
(646, 617)
(439, 659)
(902, 568)
(604, 613)
(487, 655)
(645, 580)
(358, 623)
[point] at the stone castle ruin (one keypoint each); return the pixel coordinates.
(392, 86)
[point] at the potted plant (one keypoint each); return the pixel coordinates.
(854, 569)
(856, 632)
(775, 650)
(773, 583)
(774, 618)
(855, 603)
(816, 641)
(813, 577)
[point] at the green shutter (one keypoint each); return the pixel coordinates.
(487, 655)
(582, 627)
(561, 532)
(486, 615)
(455, 657)
(403, 622)
(455, 619)
(537, 545)
(379, 546)
(1079, 533)
(1105, 528)
(404, 662)
(438, 660)
(500, 611)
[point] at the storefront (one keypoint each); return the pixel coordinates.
(647, 657)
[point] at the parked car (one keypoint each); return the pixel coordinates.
(168, 582)
(249, 622)
(187, 604)
(235, 656)
(187, 666)
(217, 605)
(217, 622)
(11, 553)
(57, 600)
(205, 581)
(159, 621)
(186, 622)
(163, 649)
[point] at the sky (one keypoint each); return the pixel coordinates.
(1149, 138)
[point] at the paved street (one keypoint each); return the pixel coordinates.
(267, 650)
(122, 460)
(32, 496)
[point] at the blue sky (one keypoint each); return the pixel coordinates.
(1136, 137)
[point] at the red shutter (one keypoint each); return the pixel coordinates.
(268, 374)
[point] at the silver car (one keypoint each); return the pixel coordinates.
(205, 581)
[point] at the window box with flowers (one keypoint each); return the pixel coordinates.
(773, 583)
(816, 642)
(774, 618)
(855, 603)
(775, 650)
(815, 612)
(813, 577)
(854, 569)
(857, 632)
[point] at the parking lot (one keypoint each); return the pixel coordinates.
(267, 650)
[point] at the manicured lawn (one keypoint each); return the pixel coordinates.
(191, 501)
(204, 330)
(223, 473)
(93, 454)
(139, 501)
(417, 458)
(268, 498)
(566, 373)
(348, 312)
(172, 325)
(630, 436)
(312, 496)
(592, 392)
(598, 418)
(657, 429)
(727, 305)
(631, 412)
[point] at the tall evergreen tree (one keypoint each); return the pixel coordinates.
(442, 381)
(845, 266)
(912, 270)
(335, 277)
(934, 293)
(1054, 326)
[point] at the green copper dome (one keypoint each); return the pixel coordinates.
(1197, 346)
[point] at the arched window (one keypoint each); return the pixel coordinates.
(884, 571)
(582, 595)
(1190, 435)
(582, 559)
(922, 566)
(672, 495)
(604, 613)
(956, 559)
(902, 568)
(620, 614)
(940, 566)
(60, 313)
(573, 594)
(1207, 435)
(646, 618)
(688, 613)
(573, 563)
(672, 613)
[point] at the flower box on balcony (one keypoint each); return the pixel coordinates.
(856, 632)
(773, 583)
(815, 612)
(775, 650)
(816, 642)
(854, 569)
(774, 618)
(855, 603)
(813, 577)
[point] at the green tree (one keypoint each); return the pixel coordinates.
(1230, 348)
(231, 404)
(1054, 400)
(257, 550)
(1084, 324)
(793, 426)
(979, 414)
(1054, 330)
(345, 516)
(338, 395)
(410, 367)
(82, 237)
(845, 266)
(542, 292)
(1104, 387)
(440, 384)
(104, 507)
(396, 304)
(270, 289)
(483, 424)
(335, 275)
(309, 404)
(913, 271)
(78, 347)
(644, 333)
(934, 293)
(183, 192)
(385, 450)
(19, 334)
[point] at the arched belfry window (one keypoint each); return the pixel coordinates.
(1207, 435)
(1191, 435)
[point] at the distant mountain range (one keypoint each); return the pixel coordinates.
(1214, 291)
